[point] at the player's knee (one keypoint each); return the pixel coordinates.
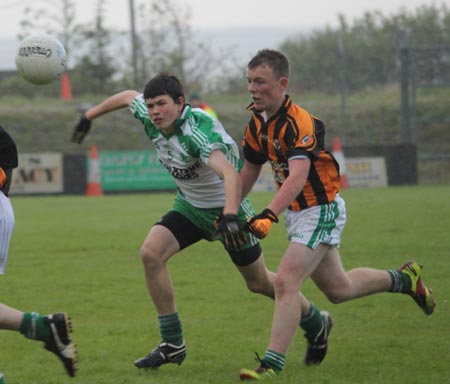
(148, 256)
(253, 286)
(336, 297)
(284, 286)
(260, 287)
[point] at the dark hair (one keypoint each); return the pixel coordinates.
(274, 59)
(164, 84)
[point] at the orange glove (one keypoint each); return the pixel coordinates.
(260, 224)
(2, 177)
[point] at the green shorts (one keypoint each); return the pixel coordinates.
(204, 218)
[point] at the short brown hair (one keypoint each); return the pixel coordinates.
(274, 59)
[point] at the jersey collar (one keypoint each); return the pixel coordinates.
(282, 110)
(185, 113)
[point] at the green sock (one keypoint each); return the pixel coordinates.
(2, 380)
(34, 327)
(400, 282)
(171, 329)
(312, 323)
(274, 360)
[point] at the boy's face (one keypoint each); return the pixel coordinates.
(163, 111)
(266, 90)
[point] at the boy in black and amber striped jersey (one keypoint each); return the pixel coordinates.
(307, 180)
(294, 134)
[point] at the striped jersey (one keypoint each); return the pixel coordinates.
(185, 153)
(292, 133)
(8, 158)
(8, 151)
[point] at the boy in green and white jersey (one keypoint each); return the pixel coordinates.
(186, 152)
(204, 161)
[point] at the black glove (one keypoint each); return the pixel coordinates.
(231, 230)
(260, 224)
(81, 130)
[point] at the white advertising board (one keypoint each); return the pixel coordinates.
(38, 173)
(366, 172)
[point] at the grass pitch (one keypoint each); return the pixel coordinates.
(80, 255)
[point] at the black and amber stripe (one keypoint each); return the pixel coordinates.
(293, 133)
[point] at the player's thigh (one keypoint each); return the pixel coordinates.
(297, 264)
(173, 232)
(330, 275)
(301, 259)
(256, 270)
(160, 243)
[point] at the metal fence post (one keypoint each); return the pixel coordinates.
(404, 85)
(343, 87)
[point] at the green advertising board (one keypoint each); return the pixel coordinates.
(133, 171)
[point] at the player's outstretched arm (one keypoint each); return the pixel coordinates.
(119, 100)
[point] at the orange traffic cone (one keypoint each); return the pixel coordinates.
(340, 158)
(94, 187)
(66, 90)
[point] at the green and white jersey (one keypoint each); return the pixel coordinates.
(186, 152)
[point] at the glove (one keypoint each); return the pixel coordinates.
(260, 224)
(2, 177)
(81, 130)
(231, 230)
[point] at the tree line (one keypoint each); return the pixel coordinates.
(365, 53)
(356, 55)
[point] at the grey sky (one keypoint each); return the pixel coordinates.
(230, 13)
(219, 21)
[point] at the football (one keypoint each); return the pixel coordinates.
(40, 59)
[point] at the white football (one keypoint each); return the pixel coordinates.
(40, 59)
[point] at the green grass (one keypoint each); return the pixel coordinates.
(80, 255)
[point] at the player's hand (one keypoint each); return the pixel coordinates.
(260, 224)
(2, 177)
(231, 230)
(81, 130)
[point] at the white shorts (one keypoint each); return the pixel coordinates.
(6, 229)
(316, 225)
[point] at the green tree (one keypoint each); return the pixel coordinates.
(167, 43)
(370, 46)
(95, 69)
(428, 32)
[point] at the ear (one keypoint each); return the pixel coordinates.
(284, 81)
(181, 100)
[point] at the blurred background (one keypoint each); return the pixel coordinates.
(377, 74)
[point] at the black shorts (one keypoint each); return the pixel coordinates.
(187, 233)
